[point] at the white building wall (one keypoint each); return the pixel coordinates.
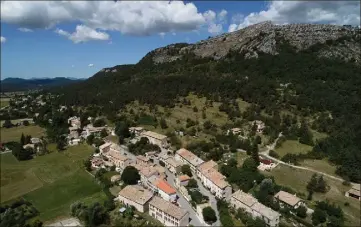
(166, 219)
(166, 196)
(137, 206)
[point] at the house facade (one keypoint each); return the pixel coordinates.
(173, 165)
(250, 205)
(135, 195)
(166, 191)
(213, 180)
(168, 213)
(187, 157)
(155, 138)
(289, 200)
(354, 192)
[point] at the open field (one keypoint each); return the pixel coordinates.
(51, 182)
(298, 179)
(292, 147)
(241, 156)
(14, 134)
(4, 102)
(320, 165)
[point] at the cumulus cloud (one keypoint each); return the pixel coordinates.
(215, 21)
(91, 65)
(286, 12)
(3, 39)
(128, 17)
(25, 29)
(83, 34)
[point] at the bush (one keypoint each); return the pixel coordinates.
(301, 211)
(274, 154)
(209, 215)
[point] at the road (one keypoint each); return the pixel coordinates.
(272, 147)
(195, 220)
(212, 200)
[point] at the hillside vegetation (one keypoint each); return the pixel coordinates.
(325, 90)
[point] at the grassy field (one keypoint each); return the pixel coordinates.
(241, 156)
(51, 182)
(298, 179)
(320, 165)
(4, 102)
(292, 147)
(14, 134)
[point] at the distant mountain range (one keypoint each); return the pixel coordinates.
(19, 84)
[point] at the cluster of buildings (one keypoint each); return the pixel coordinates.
(207, 172)
(146, 201)
(245, 201)
(153, 137)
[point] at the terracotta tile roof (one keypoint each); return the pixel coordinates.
(217, 178)
(265, 211)
(136, 193)
(154, 135)
(168, 207)
(165, 187)
(245, 198)
(206, 166)
(184, 178)
(190, 157)
(287, 198)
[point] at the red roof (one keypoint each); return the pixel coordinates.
(184, 178)
(266, 161)
(165, 187)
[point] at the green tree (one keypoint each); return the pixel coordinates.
(22, 139)
(87, 165)
(301, 211)
(103, 133)
(255, 154)
(122, 129)
(26, 123)
(130, 175)
(163, 123)
(250, 164)
(195, 109)
(192, 183)
(90, 139)
(209, 215)
(318, 216)
(186, 169)
(7, 124)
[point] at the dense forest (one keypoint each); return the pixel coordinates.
(325, 90)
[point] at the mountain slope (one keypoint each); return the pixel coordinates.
(18, 84)
(278, 69)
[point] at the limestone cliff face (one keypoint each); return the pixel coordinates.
(265, 37)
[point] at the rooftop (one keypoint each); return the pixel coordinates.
(217, 178)
(184, 178)
(287, 198)
(142, 158)
(168, 207)
(154, 135)
(265, 211)
(244, 198)
(206, 166)
(356, 187)
(165, 187)
(171, 161)
(136, 193)
(101, 147)
(190, 157)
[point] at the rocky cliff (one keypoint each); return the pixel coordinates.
(339, 41)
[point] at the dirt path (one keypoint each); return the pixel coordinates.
(273, 145)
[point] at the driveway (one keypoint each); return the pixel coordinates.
(212, 200)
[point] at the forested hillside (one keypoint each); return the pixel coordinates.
(328, 90)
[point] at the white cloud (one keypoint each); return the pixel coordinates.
(285, 12)
(3, 39)
(83, 34)
(91, 65)
(215, 21)
(162, 34)
(128, 17)
(25, 30)
(232, 28)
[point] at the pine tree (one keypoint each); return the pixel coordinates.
(255, 155)
(22, 139)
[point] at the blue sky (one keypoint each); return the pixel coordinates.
(35, 43)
